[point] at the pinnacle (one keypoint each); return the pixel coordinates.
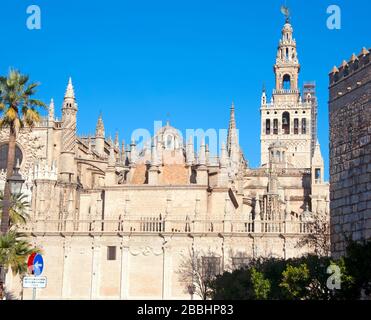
(69, 91)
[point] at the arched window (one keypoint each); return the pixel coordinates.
(287, 53)
(4, 155)
(278, 155)
(296, 126)
(304, 126)
(267, 126)
(169, 142)
(275, 126)
(286, 122)
(286, 82)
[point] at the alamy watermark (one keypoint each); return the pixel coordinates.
(33, 21)
(334, 280)
(213, 137)
(334, 19)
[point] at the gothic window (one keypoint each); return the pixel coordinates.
(304, 126)
(287, 53)
(286, 123)
(296, 126)
(111, 253)
(286, 82)
(210, 266)
(4, 156)
(267, 126)
(275, 126)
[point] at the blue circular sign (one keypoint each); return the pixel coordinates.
(38, 265)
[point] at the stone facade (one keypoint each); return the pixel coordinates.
(115, 222)
(350, 151)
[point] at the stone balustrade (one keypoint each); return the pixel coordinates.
(167, 226)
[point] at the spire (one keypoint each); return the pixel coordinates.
(99, 132)
(111, 159)
(223, 157)
(51, 110)
(232, 119)
(69, 91)
(232, 134)
(190, 152)
(317, 155)
(117, 143)
(202, 154)
(133, 152)
(264, 96)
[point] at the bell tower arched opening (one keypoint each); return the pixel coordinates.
(286, 122)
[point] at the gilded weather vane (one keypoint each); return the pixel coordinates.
(286, 12)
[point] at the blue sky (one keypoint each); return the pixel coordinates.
(137, 61)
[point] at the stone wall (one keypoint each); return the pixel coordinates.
(350, 152)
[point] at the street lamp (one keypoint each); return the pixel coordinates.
(15, 180)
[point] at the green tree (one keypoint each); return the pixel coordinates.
(357, 265)
(260, 285)
(18, 211)
(234, 285)
(17, 109)
(295, 281)
(14, 252)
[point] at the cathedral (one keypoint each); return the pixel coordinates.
(116, 221)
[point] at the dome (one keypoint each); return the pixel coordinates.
(171, 137)
(287, 27)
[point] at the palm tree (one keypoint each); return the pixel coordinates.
(17, 109)
(18, 211)
(14, 252)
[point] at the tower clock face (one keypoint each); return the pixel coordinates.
(4, 155)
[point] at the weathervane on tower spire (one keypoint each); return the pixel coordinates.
(286, 12)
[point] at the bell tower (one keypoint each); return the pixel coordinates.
(68, 151)
(287, 65)
(286, 117)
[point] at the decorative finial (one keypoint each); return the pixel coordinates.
(51, 109)
(99, 131)
(69, 91)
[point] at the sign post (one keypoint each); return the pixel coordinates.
(35, 267)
